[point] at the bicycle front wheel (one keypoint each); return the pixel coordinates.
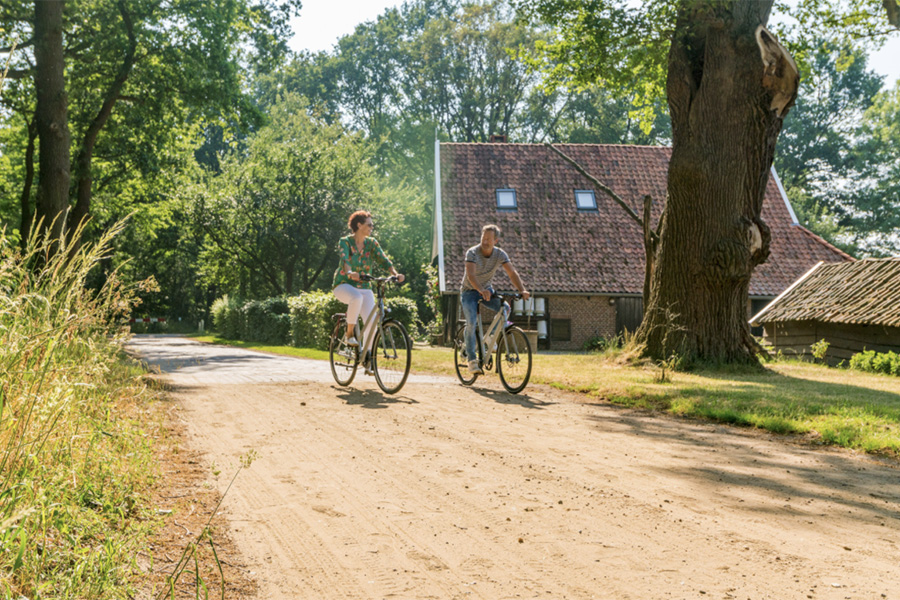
(344, 359)
(514, 360)
(391, 357)
(460, 360)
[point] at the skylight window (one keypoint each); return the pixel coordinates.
(585, 200)
(506, 199)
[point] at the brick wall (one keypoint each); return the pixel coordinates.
(589, 316)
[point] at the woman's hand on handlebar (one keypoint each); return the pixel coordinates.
(354, 276)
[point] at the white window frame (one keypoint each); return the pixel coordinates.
(582, 194)
(506, 206)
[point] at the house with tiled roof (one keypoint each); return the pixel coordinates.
(853, 306)
(578, 252)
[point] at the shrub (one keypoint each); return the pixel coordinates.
(311, 323)
(405, 311)
(310, 318)
(228, 319)
(267, 321)
(820, 349)
(876, 362)
(599, 343)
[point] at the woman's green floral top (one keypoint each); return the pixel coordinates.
(360, 262)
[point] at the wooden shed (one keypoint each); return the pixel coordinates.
(854, 306)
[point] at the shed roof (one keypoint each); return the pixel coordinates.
(560, 249)
(864, 292)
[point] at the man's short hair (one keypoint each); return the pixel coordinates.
(493, 228)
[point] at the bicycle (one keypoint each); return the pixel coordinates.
(391, 355)
(513, 361)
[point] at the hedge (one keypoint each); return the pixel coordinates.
(302, 321)
(267, 321)
(228, 318)
(876, 362)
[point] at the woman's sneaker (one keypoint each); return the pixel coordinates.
(473, 367)
(352, 341)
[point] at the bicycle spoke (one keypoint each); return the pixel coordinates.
(391, 357)
(514, 360)
(343, 358)
(461, 362)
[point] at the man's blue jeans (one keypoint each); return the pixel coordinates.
(469, 300)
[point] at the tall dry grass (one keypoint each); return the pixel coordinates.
(72, 467)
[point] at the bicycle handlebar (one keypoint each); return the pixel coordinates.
(514, 296)
(367, 277)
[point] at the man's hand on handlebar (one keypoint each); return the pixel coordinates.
(486, 295)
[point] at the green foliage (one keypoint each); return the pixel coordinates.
(311, 322)
(273, 216)
(267, 321)
(73, 466)
(599, 343)
(831, 163)
(227, 317)
(435, 320)
(870, 361)
(405, 311)
(609, 43)
(820, 349)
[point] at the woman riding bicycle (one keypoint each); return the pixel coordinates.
(359, 254)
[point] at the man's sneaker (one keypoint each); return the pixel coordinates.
(473, 367)
(352, 341)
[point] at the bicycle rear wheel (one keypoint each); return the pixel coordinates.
(391, 357)
(460, 360)
(514, 360)
(344, 359)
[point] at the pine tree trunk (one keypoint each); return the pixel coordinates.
(51, 118)
(726, 116)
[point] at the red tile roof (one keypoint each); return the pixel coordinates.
(559, 249)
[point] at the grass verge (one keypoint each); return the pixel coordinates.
(831, 406)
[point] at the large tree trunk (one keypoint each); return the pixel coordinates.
(727, 97)
(51, 118)
(27, 213)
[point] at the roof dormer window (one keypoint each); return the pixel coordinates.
(585, 200)
(506, 199)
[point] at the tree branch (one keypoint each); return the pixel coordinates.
(893, 12)
(607, 190)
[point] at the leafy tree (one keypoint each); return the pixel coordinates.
(274, 214)
(729, 85)
(137, 73)
(818, 147)
(874, 197)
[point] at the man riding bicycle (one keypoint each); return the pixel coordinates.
(482, 261)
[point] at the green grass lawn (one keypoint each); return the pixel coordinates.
(830, 406)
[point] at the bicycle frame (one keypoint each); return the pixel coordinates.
(486, 346)
(377, 312)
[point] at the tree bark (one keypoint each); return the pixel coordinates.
(84, 177)
(27, 214)
(726, 117)
(51, 119)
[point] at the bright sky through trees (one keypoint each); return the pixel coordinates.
(322, 22)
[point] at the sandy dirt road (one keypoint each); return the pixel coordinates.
(448, 492)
